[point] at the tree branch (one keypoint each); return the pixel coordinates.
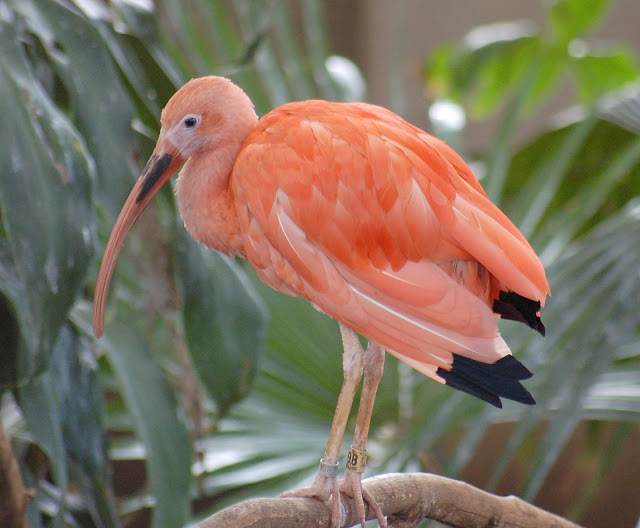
(405, 499)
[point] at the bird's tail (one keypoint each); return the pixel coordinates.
(515, 307)
(489, 381)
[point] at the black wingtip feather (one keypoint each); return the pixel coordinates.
(489, 381)
(515, 307)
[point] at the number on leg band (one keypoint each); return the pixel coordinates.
(356, 459)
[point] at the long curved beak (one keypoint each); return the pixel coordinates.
(164, 161)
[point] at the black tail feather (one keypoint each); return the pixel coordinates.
(489, 381)
(515, 307)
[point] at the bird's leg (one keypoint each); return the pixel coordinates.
(356, 461)
(325, 484)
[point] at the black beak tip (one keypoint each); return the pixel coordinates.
(154, 168)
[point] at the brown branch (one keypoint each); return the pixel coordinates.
(13, 496)
(404, 499)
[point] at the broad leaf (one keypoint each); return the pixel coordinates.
(571, 19)
(134, 47)
(45, 205)
(224, 320)
(64, 410)
(74, 373)
(602, 72)
(102, 111)
(40, 406)
(515, 59)
(486, 66)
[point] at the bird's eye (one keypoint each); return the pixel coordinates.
(191, 121)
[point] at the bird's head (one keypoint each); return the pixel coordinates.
(206, 115)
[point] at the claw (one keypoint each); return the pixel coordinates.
(352, 487)
(323, 489)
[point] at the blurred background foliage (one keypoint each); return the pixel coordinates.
(208, 387)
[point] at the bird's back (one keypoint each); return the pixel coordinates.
(385, 228)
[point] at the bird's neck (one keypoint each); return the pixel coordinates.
(206, 203)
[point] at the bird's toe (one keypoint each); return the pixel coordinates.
(322, 489)
(352, 487)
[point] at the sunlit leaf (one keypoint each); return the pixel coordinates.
(571, 19)
(486, 66)
(551, 64)
(598, 74)
(496, 61)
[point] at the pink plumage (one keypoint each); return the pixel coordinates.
(379, 224)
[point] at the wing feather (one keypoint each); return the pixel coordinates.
(383, 227)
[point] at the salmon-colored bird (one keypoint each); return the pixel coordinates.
(379, 224)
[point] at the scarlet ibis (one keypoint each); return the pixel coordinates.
(379, 224)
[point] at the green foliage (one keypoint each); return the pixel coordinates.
(81, 89)
(224, 329)
(47, 218)
(499, 60)
(74, 76)
(152, 404)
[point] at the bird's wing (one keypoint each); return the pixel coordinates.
(383, 227)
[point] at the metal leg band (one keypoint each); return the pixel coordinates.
(356, 459)
(328, 470)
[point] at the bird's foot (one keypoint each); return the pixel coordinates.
(352, 487)
(324, 487)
